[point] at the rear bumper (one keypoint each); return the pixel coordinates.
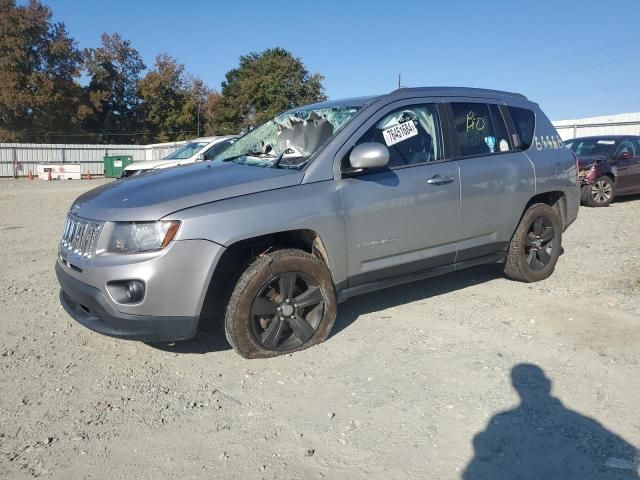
(88, 306)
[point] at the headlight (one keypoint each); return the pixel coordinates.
(135, 237)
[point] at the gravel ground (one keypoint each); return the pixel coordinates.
(416, 381)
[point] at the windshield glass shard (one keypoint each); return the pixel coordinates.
(290, 139)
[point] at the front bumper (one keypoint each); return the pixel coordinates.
(176, 279)
(587, 176)
(88, 306)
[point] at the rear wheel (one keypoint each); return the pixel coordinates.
(600, 193)
(284, 302)
(535, 246)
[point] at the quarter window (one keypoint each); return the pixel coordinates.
(524, 122)
(480, 131)
(412, 134)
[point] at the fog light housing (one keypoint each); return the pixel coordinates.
(127, 291)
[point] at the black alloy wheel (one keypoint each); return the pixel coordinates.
(283, 302)
(536, 244)
(539, 243)
(287, 311)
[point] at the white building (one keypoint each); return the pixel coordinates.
(619, 124)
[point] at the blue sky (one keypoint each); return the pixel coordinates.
(576, 58)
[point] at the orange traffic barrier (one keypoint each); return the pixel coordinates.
(88, 175)
(30, 175)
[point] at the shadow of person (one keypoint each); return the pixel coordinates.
(541, 439)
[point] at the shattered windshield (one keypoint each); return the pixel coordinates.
(290, 139)
(186, 151)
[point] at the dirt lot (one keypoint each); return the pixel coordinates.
(414, 382)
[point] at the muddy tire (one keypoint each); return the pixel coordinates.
(600, 194)
(284, 302)
(535, 245)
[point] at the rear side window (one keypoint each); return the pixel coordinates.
(412, 134)
(479, 130)
(524, 122)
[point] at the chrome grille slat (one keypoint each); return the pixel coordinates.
(79, 236)
(65, 231)
(72, 228)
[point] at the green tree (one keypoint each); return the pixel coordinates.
(114, 70)
(263, 85)
(39, 63)
(173, 101)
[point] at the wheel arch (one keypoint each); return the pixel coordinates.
(239, 255)
(555, 199)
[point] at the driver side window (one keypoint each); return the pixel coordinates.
(626, 146)
(412, 134)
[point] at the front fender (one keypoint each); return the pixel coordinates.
(312, 206)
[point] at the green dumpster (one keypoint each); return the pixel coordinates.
(114, 164)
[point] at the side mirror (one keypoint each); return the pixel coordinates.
(369, 155)
(200, 157)
(624, 156)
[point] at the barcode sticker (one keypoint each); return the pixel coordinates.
(400, 132)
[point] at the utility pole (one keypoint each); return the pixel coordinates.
(198, 118)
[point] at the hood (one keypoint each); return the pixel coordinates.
(585, 161)
(160, 192)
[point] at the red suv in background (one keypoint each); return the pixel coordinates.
(608, 166)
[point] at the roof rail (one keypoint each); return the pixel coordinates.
(459, 91)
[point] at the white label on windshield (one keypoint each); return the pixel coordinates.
(400, 132)
(606, 142)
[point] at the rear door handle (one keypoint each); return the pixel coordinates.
(440, 180)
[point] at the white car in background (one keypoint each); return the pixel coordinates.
(204, 148)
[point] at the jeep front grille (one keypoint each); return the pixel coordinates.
(79, 236)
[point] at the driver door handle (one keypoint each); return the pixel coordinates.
(440, 180)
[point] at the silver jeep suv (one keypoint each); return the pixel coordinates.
(319, 204)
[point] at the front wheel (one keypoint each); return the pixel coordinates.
(284, 302)
(600, 193)
(535, 245)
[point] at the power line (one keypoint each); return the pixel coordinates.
(556, 66)
(587, 67)
(575, 93)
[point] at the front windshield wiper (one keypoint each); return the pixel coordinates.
(276, 162)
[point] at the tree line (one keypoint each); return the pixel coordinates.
(51, 91)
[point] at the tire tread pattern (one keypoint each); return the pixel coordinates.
(515, 268)
(236, 330)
